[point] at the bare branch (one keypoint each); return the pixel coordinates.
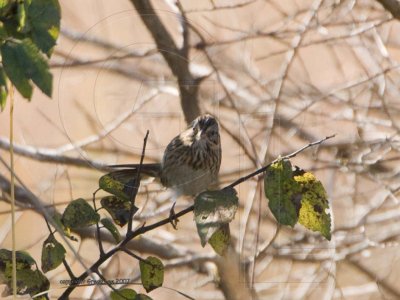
(179, 65)
(137, 184)
(51, 155)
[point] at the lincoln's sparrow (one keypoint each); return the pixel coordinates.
(191, 160)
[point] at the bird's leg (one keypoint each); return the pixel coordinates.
(172, 217)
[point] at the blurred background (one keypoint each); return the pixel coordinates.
(278, 75)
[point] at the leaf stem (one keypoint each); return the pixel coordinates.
(12, 192)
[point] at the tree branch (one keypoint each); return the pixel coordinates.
(291, 155)
(50, 155)
(137, 184)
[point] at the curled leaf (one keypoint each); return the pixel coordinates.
(213, 209)
(53, 254)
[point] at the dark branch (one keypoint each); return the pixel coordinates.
(98, 233)
(137, 184)
(393, 6)
(177, 59)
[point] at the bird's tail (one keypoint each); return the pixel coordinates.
(152, 170)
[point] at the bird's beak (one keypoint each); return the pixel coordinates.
(199, 135)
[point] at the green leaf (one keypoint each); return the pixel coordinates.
(79, 214)
(220, 239)
(44, 20)
(123, 294)
(29, 279)
(3, 89)
(119, 183)
(24, 260)
(109, 225)
(283, 192)
(314, 205)
(15, 69)
(31, 282)
(118, 208)
(151, 273)
(53, 254)
(22, 62)
(212, 209)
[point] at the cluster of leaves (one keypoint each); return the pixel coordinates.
(30, 280)
(77, 215)
(120, 205)
(213, 211)
(294, 197)
(297, 196)
(28, 33)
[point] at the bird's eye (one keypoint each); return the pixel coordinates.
(212, 134)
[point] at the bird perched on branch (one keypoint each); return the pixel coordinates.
(191, 160)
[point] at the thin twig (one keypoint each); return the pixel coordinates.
(130, 253)
(291, 155)
(98, 233)
(137, 184)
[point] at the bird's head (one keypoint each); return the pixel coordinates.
(205, 129)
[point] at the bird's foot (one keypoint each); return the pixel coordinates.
(172, 217)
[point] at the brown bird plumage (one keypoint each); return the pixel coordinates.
(191, 160)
